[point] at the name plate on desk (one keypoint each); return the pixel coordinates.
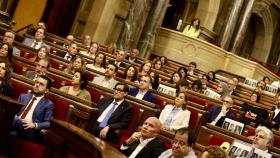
(212, 94)
(250, 82)
(167, 90)
(271, 89)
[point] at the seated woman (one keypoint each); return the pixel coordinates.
(222, 89)
(252, 113)
(99, 63)
(77, 63)
(6, 53)
(163, 60)
(92, 51)
(218, 114)
(193, 30)
(78, 88)
(42, 53)
(145, 69)
(111, 49)
(197, 86)
(155, 79)
(175, 79)
(212, 76)
(130, 73)
(204, 80)
(5, 79)
(157, 65)
(184, 72)
(266, 80)
(174, 117)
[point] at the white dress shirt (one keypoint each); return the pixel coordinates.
(140, 94)
(217, 118)
(141, 145)
(30, 112)
(104, 113)
(38, 44)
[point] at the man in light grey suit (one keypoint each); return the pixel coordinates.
(9, 38)
(37, 42)
(107, 80)
(41, 69)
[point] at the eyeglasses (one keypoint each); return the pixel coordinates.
(180, 143)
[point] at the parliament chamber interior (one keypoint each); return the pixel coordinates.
(104, 75)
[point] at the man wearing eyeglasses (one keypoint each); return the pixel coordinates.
(9, 38)
(218, 114)
(181, 145)
(114, 114)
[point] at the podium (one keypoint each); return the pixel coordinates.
(8, 109)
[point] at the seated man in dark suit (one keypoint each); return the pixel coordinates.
(115, 113)
(218, 114)
(143, 92)
(37, 42)
(67, 41)
(72, 51)
(132, 58)
(36, 113)
(41, 69)
(119, 59)
(144, 144)
(276, 119)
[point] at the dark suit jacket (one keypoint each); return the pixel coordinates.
(148, 96)
(214, 112)
(42, 113)
(119, 120)
(122, 64)
(120, 117)
(152, 150)
(136, 60)
(62, 54)
(30, 74)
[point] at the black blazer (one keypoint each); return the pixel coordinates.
(121, 117)
(122, 64)
(152, 150)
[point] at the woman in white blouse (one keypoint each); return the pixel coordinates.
(174, 117)
(98, 63)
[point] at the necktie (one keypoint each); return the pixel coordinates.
(108, 115)
(25, 112)
(35, 44)
(169, 119)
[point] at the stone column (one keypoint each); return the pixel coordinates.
(152, 25)
(134, 24)
(240, 34)
(230, 23)
(5, 19)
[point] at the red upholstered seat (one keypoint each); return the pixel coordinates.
(26, 149)
(160, 102)
(216, 140)
(20, 88)
(276, 142)
(125, 134)
(61, 107)
(95, 95)
(197, 118)
(197, 100)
